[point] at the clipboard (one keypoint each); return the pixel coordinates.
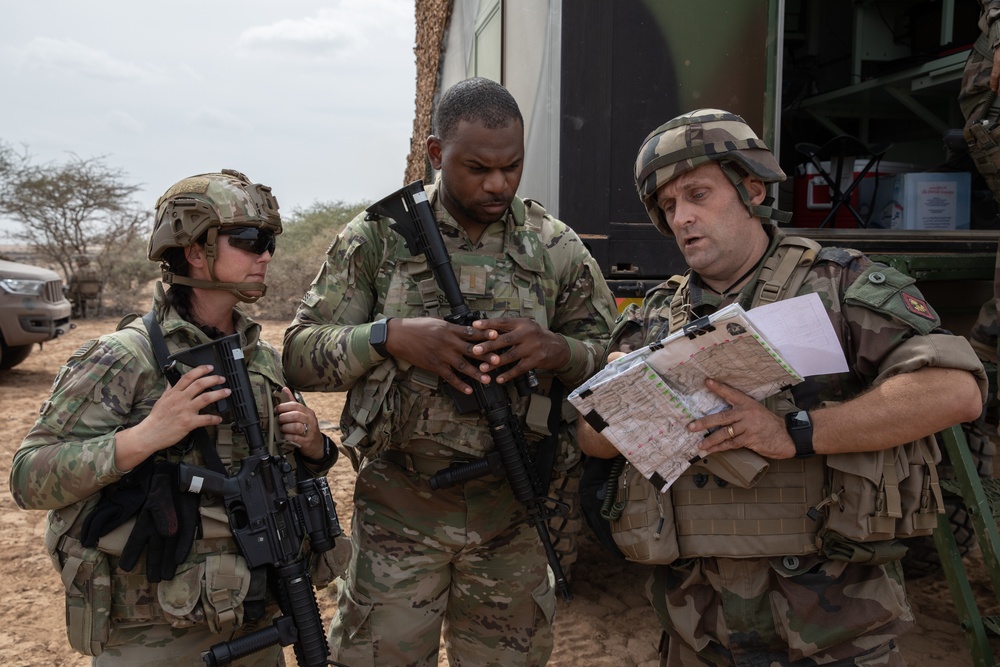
(643, 401)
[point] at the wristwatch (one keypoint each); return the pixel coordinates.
(377, 336)
(800, 427)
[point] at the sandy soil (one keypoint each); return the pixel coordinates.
(607, 624)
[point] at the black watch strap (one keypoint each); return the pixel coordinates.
(377, 336)
(329, 454)
(800, 428)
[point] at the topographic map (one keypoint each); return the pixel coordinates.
(642, 402)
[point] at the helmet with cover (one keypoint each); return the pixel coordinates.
(198, 209)
(696, 138)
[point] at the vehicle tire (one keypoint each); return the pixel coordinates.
(922, 559)
(12, 356)
(564, 530)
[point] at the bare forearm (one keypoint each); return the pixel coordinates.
(902, 409)
(593, 443)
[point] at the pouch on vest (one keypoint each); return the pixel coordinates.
(742, 467)
(920, 493)
(367, 421)
(86, 575)
(178, 597)
(644, 531)
(884, 495)
(227, 581)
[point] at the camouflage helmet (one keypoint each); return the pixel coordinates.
(196, 208)
(696, 138)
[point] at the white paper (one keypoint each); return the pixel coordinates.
(801, 329)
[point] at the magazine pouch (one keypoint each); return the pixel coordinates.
(644, 531)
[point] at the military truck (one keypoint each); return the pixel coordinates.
(594, 77)
(33, 310)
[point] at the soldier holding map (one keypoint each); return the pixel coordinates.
(802, 568)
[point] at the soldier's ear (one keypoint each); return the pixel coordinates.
(194, 254)
(756, 189)
(435, 148)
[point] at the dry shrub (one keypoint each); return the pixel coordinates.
(306, 235)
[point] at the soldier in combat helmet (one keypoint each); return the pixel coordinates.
(802, 568)
(103, 455)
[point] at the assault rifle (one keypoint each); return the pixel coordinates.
(414, 221)
(269, 513)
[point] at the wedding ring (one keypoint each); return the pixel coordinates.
(730, 431)
(305, 429)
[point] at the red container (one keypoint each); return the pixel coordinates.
(813, 198)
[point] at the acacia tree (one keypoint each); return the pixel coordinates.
(82, 207)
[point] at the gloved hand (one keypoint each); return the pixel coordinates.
(165, 526)
(119, 503)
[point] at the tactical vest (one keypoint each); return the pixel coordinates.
(840, 504)
(210, 587)
(397, 403)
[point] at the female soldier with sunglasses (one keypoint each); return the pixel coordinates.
(102, 456)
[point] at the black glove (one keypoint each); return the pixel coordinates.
(165, 526)
(119, 503)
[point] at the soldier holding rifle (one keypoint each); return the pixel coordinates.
(153, 573)
(459, 558)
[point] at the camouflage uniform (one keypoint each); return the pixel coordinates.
(800, 610)
(973, 99)
(462, 556)
(729, 601)
(67, 459)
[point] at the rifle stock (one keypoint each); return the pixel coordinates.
(269, 524)
(413, 219)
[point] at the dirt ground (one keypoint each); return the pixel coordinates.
(607, 624)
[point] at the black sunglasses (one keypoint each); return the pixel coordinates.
(251, 239)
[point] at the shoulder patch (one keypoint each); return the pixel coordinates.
(917, 306)
(84, 349)
(890, 292)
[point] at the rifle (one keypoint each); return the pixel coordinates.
(269, 513)
(414, 221)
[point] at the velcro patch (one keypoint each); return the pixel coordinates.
(473, 280)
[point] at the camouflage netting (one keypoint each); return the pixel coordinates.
(432, 24)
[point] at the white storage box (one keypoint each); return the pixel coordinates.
(924, 200)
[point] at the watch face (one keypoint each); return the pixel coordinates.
(377, 336)
(800, 419)
(378, 333)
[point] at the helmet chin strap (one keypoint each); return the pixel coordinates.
(211, 252)
(764, 210)
(236, 288)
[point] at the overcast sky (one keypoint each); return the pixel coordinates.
(315, 99)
